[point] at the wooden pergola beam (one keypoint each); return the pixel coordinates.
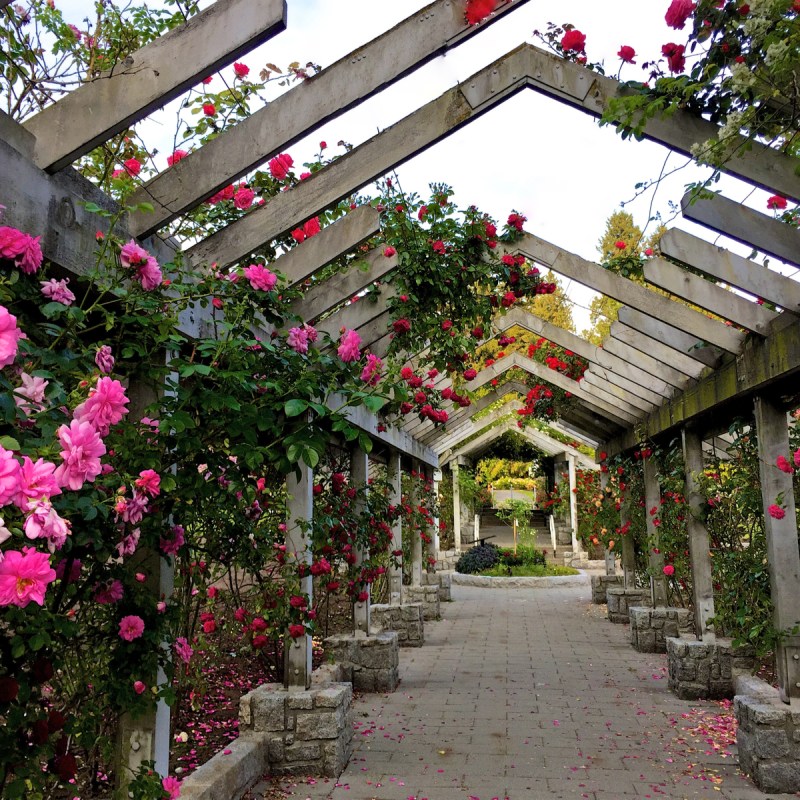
(150, 78)
(679, 364)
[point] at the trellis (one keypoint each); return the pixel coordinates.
(665, 368)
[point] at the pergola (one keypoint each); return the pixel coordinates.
(666, 369)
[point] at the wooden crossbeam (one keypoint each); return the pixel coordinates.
(623, 350)
(708, 295)
(745, 225)
(630, 293)
(354, 315)
(679, 363)
(430, 32)
(151, 77)
(676, 339)
(732, 269)
(592, 379)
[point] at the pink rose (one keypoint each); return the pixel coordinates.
(105, 405)
(669, 570)
(176, 157)
(776, 512)
(349, 345)
(104, 359)
(57, 291)
(81, 450)
(243, 199)
(260, 277)
(10, 335)
(24, 577)
(280, 165)
(131, 627)
(298, 340)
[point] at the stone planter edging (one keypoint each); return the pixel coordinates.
(553, 582)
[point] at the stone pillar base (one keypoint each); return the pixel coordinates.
(428, 596)
(370, 661)
(706, 670)
(768, 738)
(405, 620)
(443, 580)
(446, 560)
(650, 627)
(620, 599)
(601, 584)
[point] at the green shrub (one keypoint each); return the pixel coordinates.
(479, 558)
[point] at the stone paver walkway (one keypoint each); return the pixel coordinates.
(529, 694)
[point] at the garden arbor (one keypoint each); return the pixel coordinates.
(666, 368)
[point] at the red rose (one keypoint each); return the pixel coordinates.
(296, 631)
(389, 251)
(477, 332)
(516, 221)
(678, 12)
(447, 324)
(401, 325)
(627, 54)
(209, 109)
(776, 203)
(675, 59)
(241, 70)
(280, 165)
(620, 245)
(669, 570)
(9, 689)
(478, 10)
(298, 601)
(573, 41)
(470, 374)
(260, 641)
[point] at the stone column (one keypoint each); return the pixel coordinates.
(299, 512)
(652, 499)
(396, 499)
(359, 473)
(628, 548)
(610, 557)
(430, 546)
(702, 583)
(573, 503)
(782, 550)
(416, 541)
(454, 466)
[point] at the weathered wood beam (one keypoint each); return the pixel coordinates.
(630, 293)
(151, 77)
(623, 350)
(650, 388)
(343, 285)
(681, 363)
(745, 225)
(448, 438)
(678, 340)
(591, 379)
(354, 315)
(732, 269)
(374, 331)
(708, 295)
(430, 32)
(771, 364)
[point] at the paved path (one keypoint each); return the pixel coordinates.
(529, 694)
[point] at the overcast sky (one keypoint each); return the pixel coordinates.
(533, 154)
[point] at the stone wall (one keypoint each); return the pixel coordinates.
(281, 733)
(706, 670)
(446, 559)
(601, 584)
(768, 737)
(441, 579)
(370, 662)
(405, 620)
(428, 596)
(620, 600)
(651, 627)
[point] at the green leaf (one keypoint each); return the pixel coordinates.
(374, 403)
(364, 442)
(294, 408)
(9, 443)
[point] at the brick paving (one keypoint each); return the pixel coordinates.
(526, 694)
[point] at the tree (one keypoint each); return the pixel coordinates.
(555, 307)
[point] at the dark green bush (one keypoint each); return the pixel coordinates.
(479, 558)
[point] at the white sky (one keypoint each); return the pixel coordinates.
(532, 154)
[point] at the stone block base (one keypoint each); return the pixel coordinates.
(651, 627)
(620, 600)
(428, 596)
(443, 580)
(601, 584)
(281, 733)
(446, 560)
(405, 620)
(768, 737)
(706, 670)
(370, 661)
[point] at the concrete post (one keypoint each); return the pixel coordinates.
(573, 502)
(299, 513)
(456, 507)
(359, 473)
(628, 549)
(702, 583)
(652, 500)
(416, 541)
(436, 477)
(610, 556)
(396, 499)
(782, 550)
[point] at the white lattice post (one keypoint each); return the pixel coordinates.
(652, 500)
(299, 513)
(628, 549)
(416, 541)
(430, 529)
(359, 473)
(702, 583)
(456, 508)
(782, 551)
(610, 556)
(396, 499)
(573, 503)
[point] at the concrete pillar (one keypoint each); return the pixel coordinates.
(416, 541)
(702, 583)
(782, 551)
(573, 502)
(456, 508)
(299, 509)
(652, 499)
(610, 556)
(396, 499)
(359, 474)
(628, 549)
(436, 478)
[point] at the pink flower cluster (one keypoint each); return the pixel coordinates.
(261, 278)
(21, 248)
(299, 338)
(10, 335)
(148, 273)
(24, 577)
(57, 291)
(349, 346)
